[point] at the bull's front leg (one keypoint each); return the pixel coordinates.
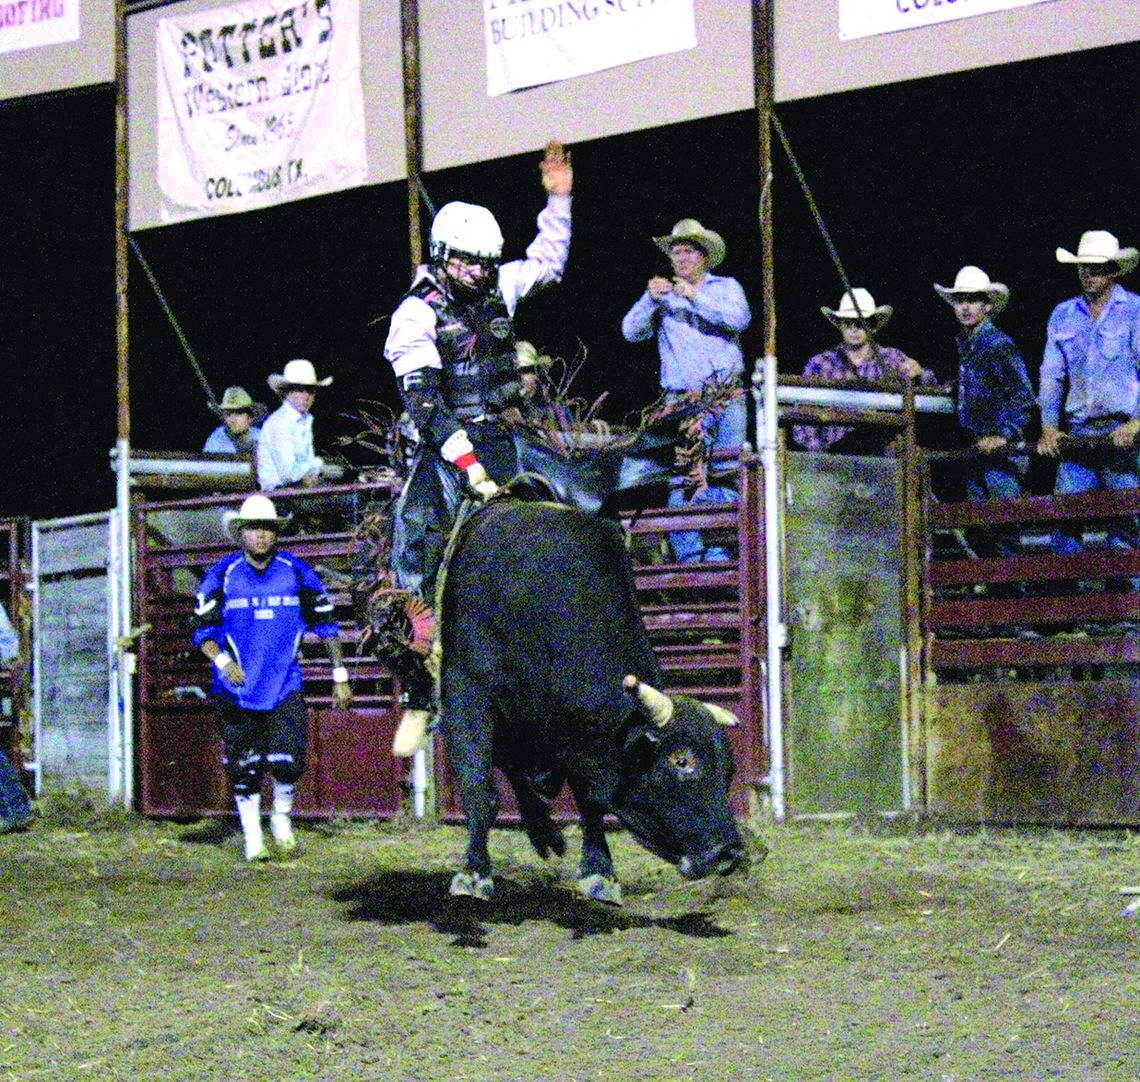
(469, 752)
(597, 879)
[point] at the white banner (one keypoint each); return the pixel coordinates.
(27, 24)
(258, 104)
(541, 41)
(865, 18)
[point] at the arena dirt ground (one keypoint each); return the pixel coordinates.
(149, 951)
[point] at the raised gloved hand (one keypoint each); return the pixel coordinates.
(458, 451)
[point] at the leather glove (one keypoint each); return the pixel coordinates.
(482, 484)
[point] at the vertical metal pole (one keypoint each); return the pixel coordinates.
(912, 632)
(767, 428)
(115, 761)
(768, 431)
(36, 765)
(422, 764)
(125, 659)
(413, 126)
(420, 785)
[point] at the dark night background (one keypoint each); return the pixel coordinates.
(995, 167)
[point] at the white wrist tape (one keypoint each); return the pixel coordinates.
(340, 674)
(222, 660)
(456, 445)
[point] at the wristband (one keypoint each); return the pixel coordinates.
(466, 461)
(221, 660)
(340, 674)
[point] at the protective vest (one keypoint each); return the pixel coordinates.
(476, 343)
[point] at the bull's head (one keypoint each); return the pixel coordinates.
(675, 769)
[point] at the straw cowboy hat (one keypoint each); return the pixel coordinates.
(859, 304)
(235, 400)
(255, 511)
(1098, 246)
(297, 373)
(690, 231)
(971, 279)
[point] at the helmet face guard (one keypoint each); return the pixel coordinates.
(444, 255)
(472, 276)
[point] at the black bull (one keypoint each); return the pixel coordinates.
(547, 673)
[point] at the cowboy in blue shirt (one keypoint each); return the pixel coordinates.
(1093, 348)
(253, 608)
(995, 398)
(239, 431)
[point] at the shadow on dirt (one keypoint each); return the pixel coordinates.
(412, 897)
(209, 832)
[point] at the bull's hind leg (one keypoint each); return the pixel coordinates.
(597, 879)
(469, 752)
(481, 807)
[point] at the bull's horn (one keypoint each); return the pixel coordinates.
(659, 707)
(722, 716)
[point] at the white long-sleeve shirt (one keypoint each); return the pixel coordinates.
(285, 450)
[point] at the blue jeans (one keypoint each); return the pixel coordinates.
(15, 808)
(1088, 471)
(1092, 471)
(992, 478)
(725, 432)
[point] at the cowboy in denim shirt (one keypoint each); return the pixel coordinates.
(995, 398)
(1093, 345)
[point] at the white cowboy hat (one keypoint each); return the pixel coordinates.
(255, 510)
(691, 231)
(971, 279)
(859, 304)
(235, 400)
(297, 373)
(1099, 246)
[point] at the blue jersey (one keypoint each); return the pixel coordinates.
(258, 618)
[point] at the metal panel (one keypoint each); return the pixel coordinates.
(705, 624)
(349, 771)
(1061, 753)
(845, 751)
(70, 621)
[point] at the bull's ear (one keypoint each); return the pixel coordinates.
(722, 716)
(657, 706)
(640, 747)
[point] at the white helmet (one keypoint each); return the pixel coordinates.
(466, 229)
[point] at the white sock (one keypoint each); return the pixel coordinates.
(249, 813)
(283, 797)
(282, 805)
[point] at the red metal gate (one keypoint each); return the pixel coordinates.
(705, 620)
